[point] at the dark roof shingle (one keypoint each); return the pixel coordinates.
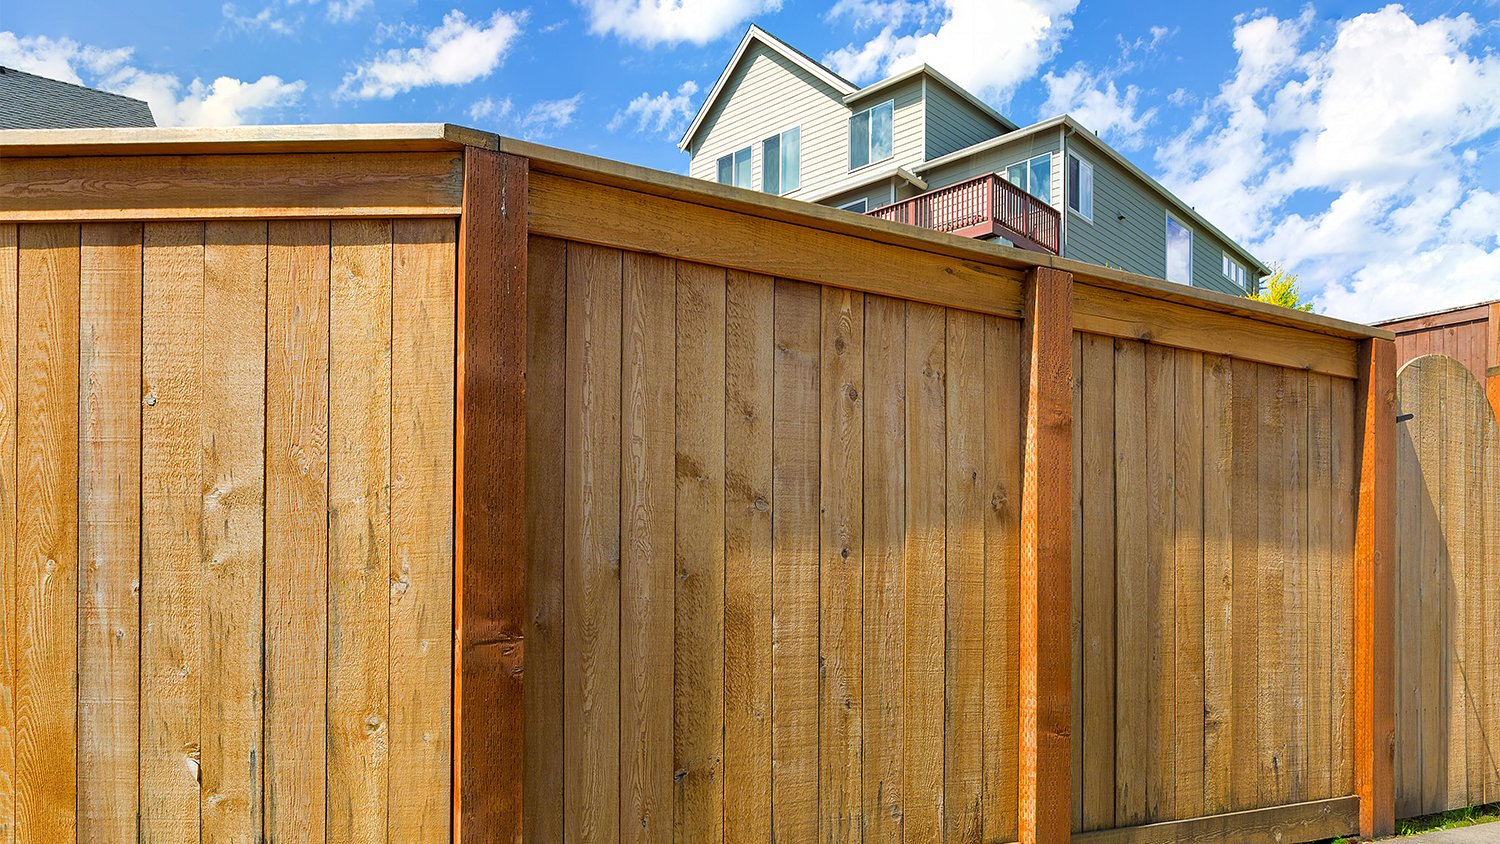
(28, 101)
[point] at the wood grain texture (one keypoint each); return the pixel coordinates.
(1190, 477)
(698, 706)
(545, 509)
(489, 716)
(1271, 560)
(963, 740)
(1294, 596)
(1004, 472)
(926, 600)
(884, 575)
(183, 187)
(172, 587)
(1132, 619)
(840, 570)
(1320, 562)
(1076, 735)
(1219, 729)
(1244, 775)
(1161, 584)
(1374, 693)
(423, 330)
(591, 580)
(1312, 821)
(296, 649)
(1345, 469)
(749, 367)
(795, 549)
(233, 527)
(47, 534)
(1097, 421)
(9, 290)
(109, 508)
(1046, 545)
(647, 582)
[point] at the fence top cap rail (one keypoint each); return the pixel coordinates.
(1459, 313)
(700, 192)
(334, 137)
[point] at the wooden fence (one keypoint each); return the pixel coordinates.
(742, 518)
(1448, 590)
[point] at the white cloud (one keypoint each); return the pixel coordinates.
(548, 116)
(1358, 162)
(988, 46)
(226, 101)
(346, 10)
(264, 19)
(456, 52)
(1101, 107)
(664, 114)
(490, 109)
(652, 22)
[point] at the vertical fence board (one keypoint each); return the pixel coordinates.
(1190, 542)
(9, 289)
(47, 534)
(699, 705)
(359, 530)
(1220, 729)
(1320, 647)
(423, 328)
(1098, 430)
(841, 590)
(1373, 585)
(1433, 679)
(1002, 573)
(1490, 459)
(647, 452)
(1132, 614)
(1271, 562)
(1244, 777)
(794, 587)
(1452, 510)
(109, 411)
(1295, 619)
(749, 362)
(1472, 590)
(926, 441)
(171, 532)
(591, 580)
(545, 513)
(233, 528)
(297, 543)
(1342, 617)
(1160, 426)
(1076, 797)
(884, 576)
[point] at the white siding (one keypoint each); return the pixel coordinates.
(906, 124)
(768, 94)
(952, 123)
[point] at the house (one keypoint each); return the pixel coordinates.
(28, 101)
(917, 148)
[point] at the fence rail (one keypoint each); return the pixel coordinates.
(982, 206)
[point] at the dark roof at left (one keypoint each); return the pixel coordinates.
(28, 101)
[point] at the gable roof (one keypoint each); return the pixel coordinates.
(1077, 130)
(932, 74)
(28, 101)
(756, 35)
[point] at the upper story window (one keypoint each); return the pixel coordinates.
(1233, 271)
(858, 206)
(1033, 175)
(734, 169)
(781, 162)
(1081, 187)
(1179, 251)
(870, 134)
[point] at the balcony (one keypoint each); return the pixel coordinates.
(982, 207)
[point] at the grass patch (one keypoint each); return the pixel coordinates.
(1454, 819)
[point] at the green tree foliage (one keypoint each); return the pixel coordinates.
(1280, 288)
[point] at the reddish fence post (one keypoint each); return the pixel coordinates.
(1374, 576)
(489, 549)
(1492, 362)
(1046, 787)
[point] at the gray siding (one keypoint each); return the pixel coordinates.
(952, 123)
(1138, 243)
(996, 159)
(767, 94)
(877, 194)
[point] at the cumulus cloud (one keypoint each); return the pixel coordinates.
(987, 46)
(548, 116)
(664, 114)
(652, 22)
(226, 101)
(1098, 104)
(456, 52)
(1358, 161)
(491, 109)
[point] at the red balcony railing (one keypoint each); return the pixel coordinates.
(981, 207)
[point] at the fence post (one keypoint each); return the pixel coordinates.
(489, 557)
(1492, 355)
(1046, 650)
(1374, 575)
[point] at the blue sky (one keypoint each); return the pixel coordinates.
(1358, 144)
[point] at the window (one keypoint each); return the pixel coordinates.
(870, 135)
(858, 206)
(780, 162)
(1033, 176)
(1179, 252)
(1233, 271)
(1081, 187)
(734, 169)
